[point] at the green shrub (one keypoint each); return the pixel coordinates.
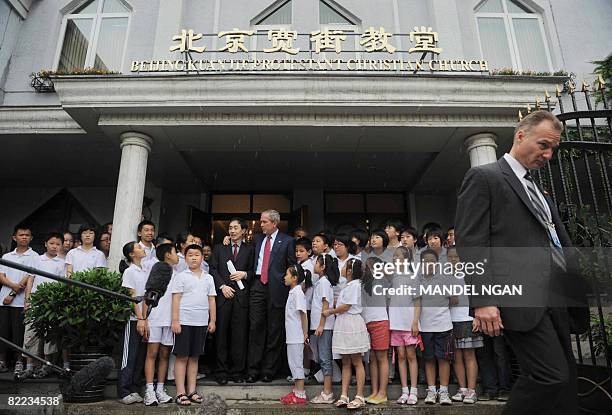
(75, 318)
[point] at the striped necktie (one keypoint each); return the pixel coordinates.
(556, 252)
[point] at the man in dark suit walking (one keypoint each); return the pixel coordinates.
(232, 301)
(511, 225)
(274, 253)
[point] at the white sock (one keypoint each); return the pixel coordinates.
(432, 388)
(327, 395)
(300, 394)
(470, 391)
(149, 387)
(443, 388)
(405, 390)
(159, 387)
(414, 391)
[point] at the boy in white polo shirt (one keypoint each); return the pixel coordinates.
(193, 301)
(85, 256)
(436, 329)
(12, 295)
(50, 262)
(161, 338)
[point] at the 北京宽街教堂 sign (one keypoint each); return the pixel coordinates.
(320, 50)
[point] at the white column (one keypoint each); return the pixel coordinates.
(481, 148)
(135, 148)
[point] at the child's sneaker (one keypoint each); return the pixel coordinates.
(431, 397)
(293, 399)
(412, 399)
(323, 398)
(150, 399)
(130, 399)
(162, 396)
(458, 397)
(445, 398)
(18, 367)
(470, 397)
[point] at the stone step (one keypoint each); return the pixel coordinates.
(239, 407)
(243, 391)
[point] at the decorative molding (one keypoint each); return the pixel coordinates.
(309, 119)
(37, 120)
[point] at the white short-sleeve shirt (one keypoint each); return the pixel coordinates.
(81, 260)
(435, 308)
(295, 306)
(161, 316)
(351, 294)
(150, 251)
(401, 306)
(322, 290)
(375, 305)
(135, 277)
(26, 258)
(193, 310)
(461, 311)
(55, 265)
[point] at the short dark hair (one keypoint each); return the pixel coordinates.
(54, 235)
(87, 227)
(162, 250)
(325, 236)
(435, 232)
(346, 240)
(305, 243)
(431, 252)
(194, 246)
(383, 235)
(145, 222)
(163, 237)
(396, 223)
(410, 230)
(243, 224)
(181, 238)
(22, 227)
(362, 236)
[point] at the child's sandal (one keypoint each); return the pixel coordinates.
(195, 397)
(356, 403)
(342, 402)
(182, 400)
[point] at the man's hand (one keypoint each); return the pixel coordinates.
(238, 275)
(488, 320)
(228, 292)
(328, 312)
(226, 240)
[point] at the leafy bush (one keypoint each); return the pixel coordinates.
(75, 318)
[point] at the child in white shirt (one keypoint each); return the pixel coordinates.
(350, 339)
(193, 302)
(296, 329)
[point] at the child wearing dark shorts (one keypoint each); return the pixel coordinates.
(193, 302)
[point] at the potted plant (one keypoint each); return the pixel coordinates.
(86, 323)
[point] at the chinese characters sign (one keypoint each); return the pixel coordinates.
(237, 43)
